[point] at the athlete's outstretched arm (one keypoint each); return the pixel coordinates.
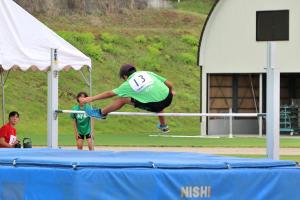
(104, 95)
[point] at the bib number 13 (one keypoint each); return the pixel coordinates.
(140, 81)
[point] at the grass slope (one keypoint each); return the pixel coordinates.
(201, 7)
(163, 41)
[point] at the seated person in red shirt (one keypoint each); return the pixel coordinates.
(8, 134)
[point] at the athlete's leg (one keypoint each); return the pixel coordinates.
(79, 144)
(90, 144)
(116, 105)
(162, 119)
(163, 124)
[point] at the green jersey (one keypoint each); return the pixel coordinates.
(144, 86)
(83, 121)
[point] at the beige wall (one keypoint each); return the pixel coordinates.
(229, 41)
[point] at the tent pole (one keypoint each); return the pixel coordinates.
(3, 98)
(91, 94)
(90, 81)
(52, 131)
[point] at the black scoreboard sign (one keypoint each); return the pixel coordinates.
(272, 25)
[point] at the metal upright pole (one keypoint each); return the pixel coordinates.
(204, 102)
(53, 101)
(230, 124)
(260, 119)
(273, 104)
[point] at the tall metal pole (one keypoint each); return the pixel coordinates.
(53, 101)
(230, 124)
(204, 101)
(3, 98)
(273, 105)
(260, 119)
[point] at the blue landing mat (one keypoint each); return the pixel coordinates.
(71, 174)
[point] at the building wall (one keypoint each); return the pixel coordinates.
(239, 127)
(229, 41)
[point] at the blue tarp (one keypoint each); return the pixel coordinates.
(71, 174)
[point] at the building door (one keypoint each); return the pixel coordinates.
(236, 92)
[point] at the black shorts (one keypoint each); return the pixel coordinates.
(88, 136)
(153, 106)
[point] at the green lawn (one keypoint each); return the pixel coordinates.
(164, 41)
(143, 139)
(202, 7)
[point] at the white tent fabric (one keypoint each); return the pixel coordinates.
(26, 43)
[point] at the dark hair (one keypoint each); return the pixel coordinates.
(80, 94)
(126, 70)
(13, 113)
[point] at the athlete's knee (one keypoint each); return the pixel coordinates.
(122, 100)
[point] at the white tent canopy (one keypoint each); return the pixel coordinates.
(26, 43)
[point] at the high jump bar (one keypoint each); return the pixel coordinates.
(175, 114)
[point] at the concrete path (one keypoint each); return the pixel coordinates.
(217, 150)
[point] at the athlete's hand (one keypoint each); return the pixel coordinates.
(173, 92)
(86, 100)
